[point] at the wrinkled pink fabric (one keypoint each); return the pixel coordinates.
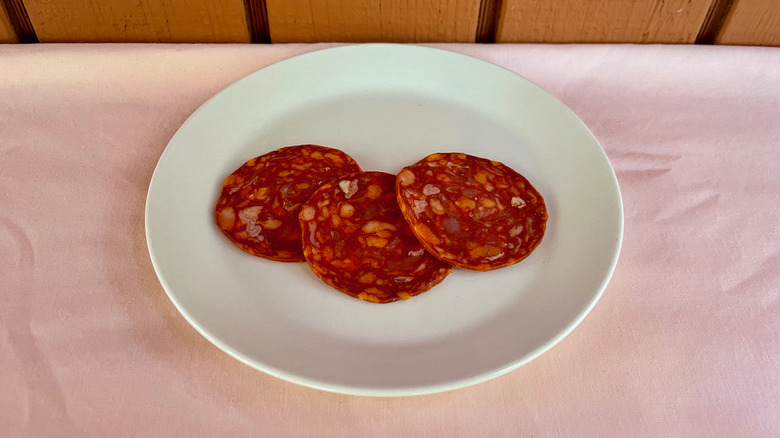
(684, 342)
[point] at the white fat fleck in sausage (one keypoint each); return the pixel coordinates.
(249, 214)
(241, 186)
(421, 267)
(419, 206)
(312, 232)
(249, 217)
(406, 177)
(349, 187)
(482, 213)
(452, 225)
(255, 231)
(495, 257)
(285, 190)
(374, 226)
(308, 213)
(518, 202)
(430, 189)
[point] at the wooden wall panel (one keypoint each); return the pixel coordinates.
(752, 22)
(372, 20)
(219, 21)
(602, 21)
(7, 34)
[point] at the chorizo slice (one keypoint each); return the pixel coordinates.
(356, 240)
(259, 203)
(471, 212)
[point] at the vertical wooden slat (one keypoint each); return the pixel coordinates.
(487, 23)
(257, 18)
(7, 34)
(599, 21)
(713, 23)
(752, 22)
(19, 21)
(219, 21)
(372, 20)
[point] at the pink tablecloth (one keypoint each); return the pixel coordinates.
(684, 342)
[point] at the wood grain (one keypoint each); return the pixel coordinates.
(752, 22)
(217, 21)
(7, 34)
(601, 21)
(372, 20)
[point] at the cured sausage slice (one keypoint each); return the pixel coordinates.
(471, 212)
(259, 205)
(356, 240)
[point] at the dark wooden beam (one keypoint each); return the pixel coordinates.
(257, 19)
(20, 21)
(714, 21)
(487, 21)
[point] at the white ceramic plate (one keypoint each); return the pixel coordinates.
(387, 106)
